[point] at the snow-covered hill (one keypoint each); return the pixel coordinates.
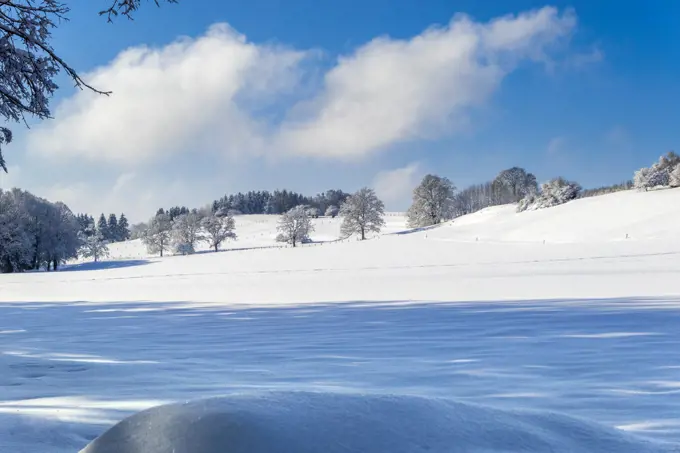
(259, 231)
(553, 310)
(607, 218)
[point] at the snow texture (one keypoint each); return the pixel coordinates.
(573, 309)
(334, 423)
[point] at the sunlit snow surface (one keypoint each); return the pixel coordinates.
(587, 324)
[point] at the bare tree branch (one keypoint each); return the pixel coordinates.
(29, 64)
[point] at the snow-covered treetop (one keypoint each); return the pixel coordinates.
(660, 174)
(432, 201)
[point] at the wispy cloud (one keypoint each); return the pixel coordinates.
(395, 187)
(618, 136)
(556, 146)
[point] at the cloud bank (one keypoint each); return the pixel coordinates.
(220, 92)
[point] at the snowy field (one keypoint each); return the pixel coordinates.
(573, 309)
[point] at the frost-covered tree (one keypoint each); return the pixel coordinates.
(62, 240)
(29, 64)
(186, 232)
(513, 184)
(362, 213)
(433, 202)
(16, 241)
(659, 174)
(35, 233)
(313, 212)
(217, 230)
(332, 211)
(554, 192)
(157, 235)
(123, 228)
(94, 246)
(294, 226)
(138, 230)
(675, 177)
(613, 188)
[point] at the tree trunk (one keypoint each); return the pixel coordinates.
(49, 265)
(216, 245)
(363, 234)
(55, 265)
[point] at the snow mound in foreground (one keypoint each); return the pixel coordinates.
(329, 423)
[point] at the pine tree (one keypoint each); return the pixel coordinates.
(123, 228)
(103, 227)
(114, 233)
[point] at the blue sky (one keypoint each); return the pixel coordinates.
(312, 95)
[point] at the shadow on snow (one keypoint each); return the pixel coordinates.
(101, 265)
(615, 361)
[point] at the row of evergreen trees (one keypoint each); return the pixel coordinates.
(113, 229)
(277, 202)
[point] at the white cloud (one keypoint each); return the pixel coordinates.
(395, 187)
(221, 93)
(209, 92)
(191, 92)
(390, 91)
(581, 60)
(137, 197)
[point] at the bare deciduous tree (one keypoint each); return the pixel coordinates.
(218, 229)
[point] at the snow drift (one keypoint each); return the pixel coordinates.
(323, 422)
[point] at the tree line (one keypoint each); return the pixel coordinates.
(112, 229)
(278, 202)
(35, 233)
(38, 234)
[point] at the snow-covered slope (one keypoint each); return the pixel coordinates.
(259, 231)
(640, 215)
(587, 323)
(342, 423)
